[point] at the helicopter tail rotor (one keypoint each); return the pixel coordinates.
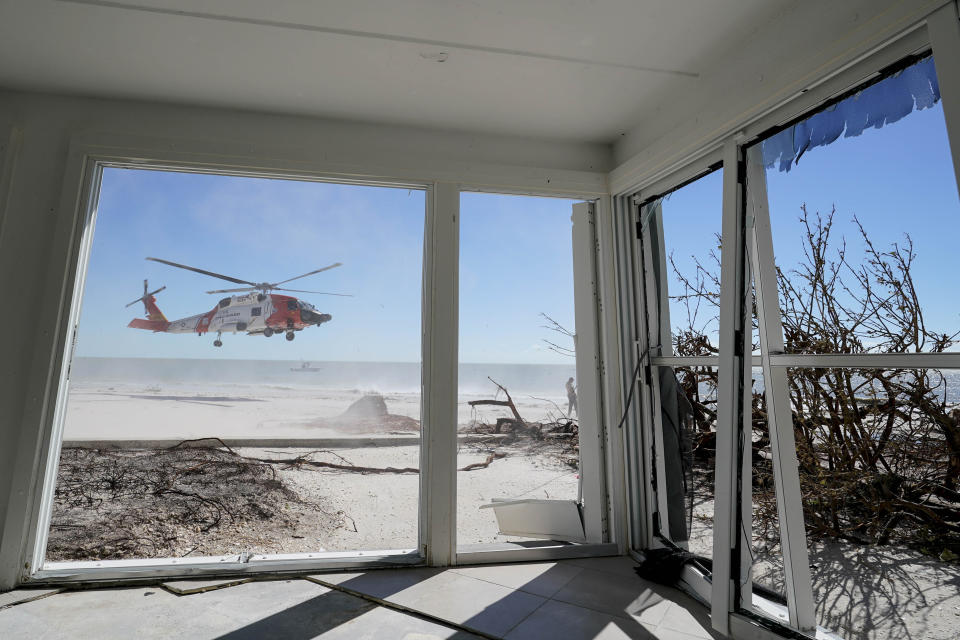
(145, 294)
(150, 303)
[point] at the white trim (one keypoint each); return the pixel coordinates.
(610, 374)
(35, 446)
(654, 333)
(215, 566)
(728, 392)
(240, 158)
(632, 343)
(438, 477)
(91, 187)
(587, 344)
(944, 28)
(793, 538)
(670, 178)
(867, 360)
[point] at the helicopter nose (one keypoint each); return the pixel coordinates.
(312, 317)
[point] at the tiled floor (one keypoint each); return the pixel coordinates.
(568, 599)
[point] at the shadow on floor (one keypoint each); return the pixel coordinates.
(870, 592)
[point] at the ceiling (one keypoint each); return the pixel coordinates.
(559, 69)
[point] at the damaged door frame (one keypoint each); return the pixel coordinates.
(600, 470)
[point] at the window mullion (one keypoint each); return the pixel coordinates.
(793, 539)
(654, 334)
(729, 386)
(438, 478)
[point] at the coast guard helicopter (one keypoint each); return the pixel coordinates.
(256, 313)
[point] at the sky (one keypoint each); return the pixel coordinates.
(516, 261)
(897, 180)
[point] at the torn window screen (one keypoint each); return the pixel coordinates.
(883, 103)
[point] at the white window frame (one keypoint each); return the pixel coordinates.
(38, 456)
(748, 254)
(596, 462)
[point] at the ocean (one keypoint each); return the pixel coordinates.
(384, 377)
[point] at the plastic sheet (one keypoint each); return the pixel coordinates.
(884, 103)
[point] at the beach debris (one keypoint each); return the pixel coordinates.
(198, 496)
(369, 414)
(557, 436)
(368, 407)
(516, 424)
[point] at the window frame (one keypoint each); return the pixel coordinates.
(749, 255)
(87, 155)
(598, 514)
(86, 182)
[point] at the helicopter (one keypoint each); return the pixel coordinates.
(256, 312)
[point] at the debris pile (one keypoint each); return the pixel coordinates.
(195, 497)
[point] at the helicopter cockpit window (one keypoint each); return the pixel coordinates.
(327, 367)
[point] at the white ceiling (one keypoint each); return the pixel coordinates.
(562, 69)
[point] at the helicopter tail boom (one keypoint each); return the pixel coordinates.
(155, 320)
(149, 325)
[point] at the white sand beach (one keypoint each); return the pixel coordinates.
(379, 509)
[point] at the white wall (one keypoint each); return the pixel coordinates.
(37, 217)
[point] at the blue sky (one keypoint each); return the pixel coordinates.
(258, 230)
(515, 262)
(897, 180)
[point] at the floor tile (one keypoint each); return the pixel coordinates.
(111, 613)
(615, 594)
(691, 619)
(381, 623)
(23, 595)
(623, 565)
(324, 613)
(661, 633)
(475, 604)
(540, 578)
(379, 583)
(556, 620)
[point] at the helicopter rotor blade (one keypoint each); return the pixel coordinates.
(234, 290)
(206, 273)
(323, 293)
(332, 266)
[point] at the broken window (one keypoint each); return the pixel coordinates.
(849, 229)
(680, 251)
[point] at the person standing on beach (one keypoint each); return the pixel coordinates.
(571, 398)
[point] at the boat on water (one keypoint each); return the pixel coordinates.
(304, 368)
